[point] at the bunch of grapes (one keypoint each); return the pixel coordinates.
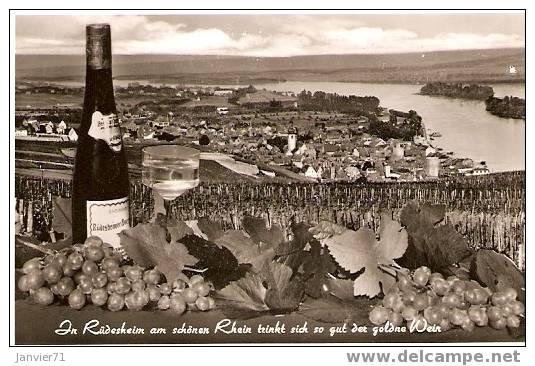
(447, 302)
(95, 273)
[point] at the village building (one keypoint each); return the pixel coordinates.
(223, 92)
(264, 98)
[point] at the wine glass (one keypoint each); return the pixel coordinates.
(170, 170)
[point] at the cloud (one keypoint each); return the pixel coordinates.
(278, 36)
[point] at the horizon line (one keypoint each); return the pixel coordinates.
(265, 56)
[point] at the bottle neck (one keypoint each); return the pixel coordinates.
(98, 46)
(99, 95)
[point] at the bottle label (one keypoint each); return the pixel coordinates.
(106, 127)
(106, 219)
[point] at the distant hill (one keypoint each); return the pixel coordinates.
(471, 65)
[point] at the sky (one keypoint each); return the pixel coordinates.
(274, 34)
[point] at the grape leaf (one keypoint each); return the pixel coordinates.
(326, 229)
(146, 244)
(295, 253)
(62, 216)
(220, 265)
(257, 230)
(304, 254)
(355, 250)
(284, 291)
(434, 246)
(193, 225)
(316, 267)
(211, 229)
(247, 293)
(245, 250)
(178, 229)
(413, 216)
(301, 236)
(273, 290)
(497, 272)
(340, 288)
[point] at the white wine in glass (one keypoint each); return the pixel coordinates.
(170, 170)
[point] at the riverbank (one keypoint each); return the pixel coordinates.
(457, 90)
(466, 128)
(506, 107)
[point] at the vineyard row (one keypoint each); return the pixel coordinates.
(488, 215)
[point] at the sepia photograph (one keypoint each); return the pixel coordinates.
(264, 177)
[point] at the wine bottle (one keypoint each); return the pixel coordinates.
(100, 203)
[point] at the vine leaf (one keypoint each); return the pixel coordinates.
(211, 229)
(316, 267)
(178, 229)
(247, 293)
(146, 244)
(274, 290)
(246, 250)
(437, 247)
(258, 231)
(219, 264)
(285, 291)
(340, 288)
(497, 272)
(301, 236)
(357, 250)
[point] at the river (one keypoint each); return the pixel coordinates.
(467, 129)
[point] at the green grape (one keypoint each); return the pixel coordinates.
(420, 302)
(513, 321)
(99, 296)
(115, 302)
(445, 324)
(468, 325)
(440, 286)
(89, 268)
(164, 302)
(177, 304)
(395, 318)
(507, 310)
(77, 299)
(409, 313)
(494, 313)
(408, 297)
(195, 279)
(517, 307)
(35, 279)
(452, 300)
(510, 294)
(43, 296)
(421, 276)
(499, 298)
(202, 303)
(31, 265)
(390, 300)
(52, 274)
(498, 324)
(378, 315)
(433, 315)
(166, 288)
(458, 316)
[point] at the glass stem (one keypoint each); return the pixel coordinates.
(167, 206)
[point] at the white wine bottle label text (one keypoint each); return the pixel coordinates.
(106, 127)
(106, 219)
